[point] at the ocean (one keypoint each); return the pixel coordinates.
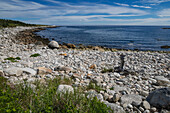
(120, 37)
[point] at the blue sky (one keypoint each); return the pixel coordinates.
(87, 12)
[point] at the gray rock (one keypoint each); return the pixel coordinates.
(111, 92)
(99, 97)
(144, 93)
(146, 105)
(161, 80)
(29, 71)
(118, 89)
(65, 89)
(53, 45)
(116, 108)
(146, 111)
(129, 98)
(13, 71)
(160, 98)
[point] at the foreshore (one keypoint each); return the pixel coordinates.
(126, 82)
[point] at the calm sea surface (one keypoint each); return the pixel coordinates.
(121, 37)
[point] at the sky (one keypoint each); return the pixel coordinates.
(87, 12)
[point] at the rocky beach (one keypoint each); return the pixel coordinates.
(131, 81)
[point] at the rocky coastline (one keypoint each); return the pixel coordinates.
(131, 81)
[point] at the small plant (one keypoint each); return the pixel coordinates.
(112, 88)
(35, 55)
(13, 59)
(107, 70)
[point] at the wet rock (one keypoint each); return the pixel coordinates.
(129, 98)
(160, 98)
(65, 89)
(53, 45)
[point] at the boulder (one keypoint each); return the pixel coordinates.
(13, 71)
(160, 98)
(53, 45)
(130, 98)
(161, 80)
(65, 89)
(116, 108)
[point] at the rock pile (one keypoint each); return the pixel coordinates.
(139, 90)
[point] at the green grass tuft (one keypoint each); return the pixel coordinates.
(35, 55)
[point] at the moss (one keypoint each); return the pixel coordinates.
(35, 55)
(13, 59)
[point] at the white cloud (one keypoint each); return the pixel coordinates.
(140, 6)
(155, 1)
(164, 13)
(121, 4)
(84, 13)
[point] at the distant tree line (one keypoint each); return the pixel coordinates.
(13, 23)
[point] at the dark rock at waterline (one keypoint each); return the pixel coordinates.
(160, 98)
(165, 47)
(165, 28)
(69, 45)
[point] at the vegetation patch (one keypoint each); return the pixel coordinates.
(35, 55)
(107, 70)
(13, 59)
(44, 98)
(13, 23)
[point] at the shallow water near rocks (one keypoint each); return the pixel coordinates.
(120, 37)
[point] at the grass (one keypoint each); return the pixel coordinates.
(35, 55)
(44, 98)
(107, 70)
(13, 59)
